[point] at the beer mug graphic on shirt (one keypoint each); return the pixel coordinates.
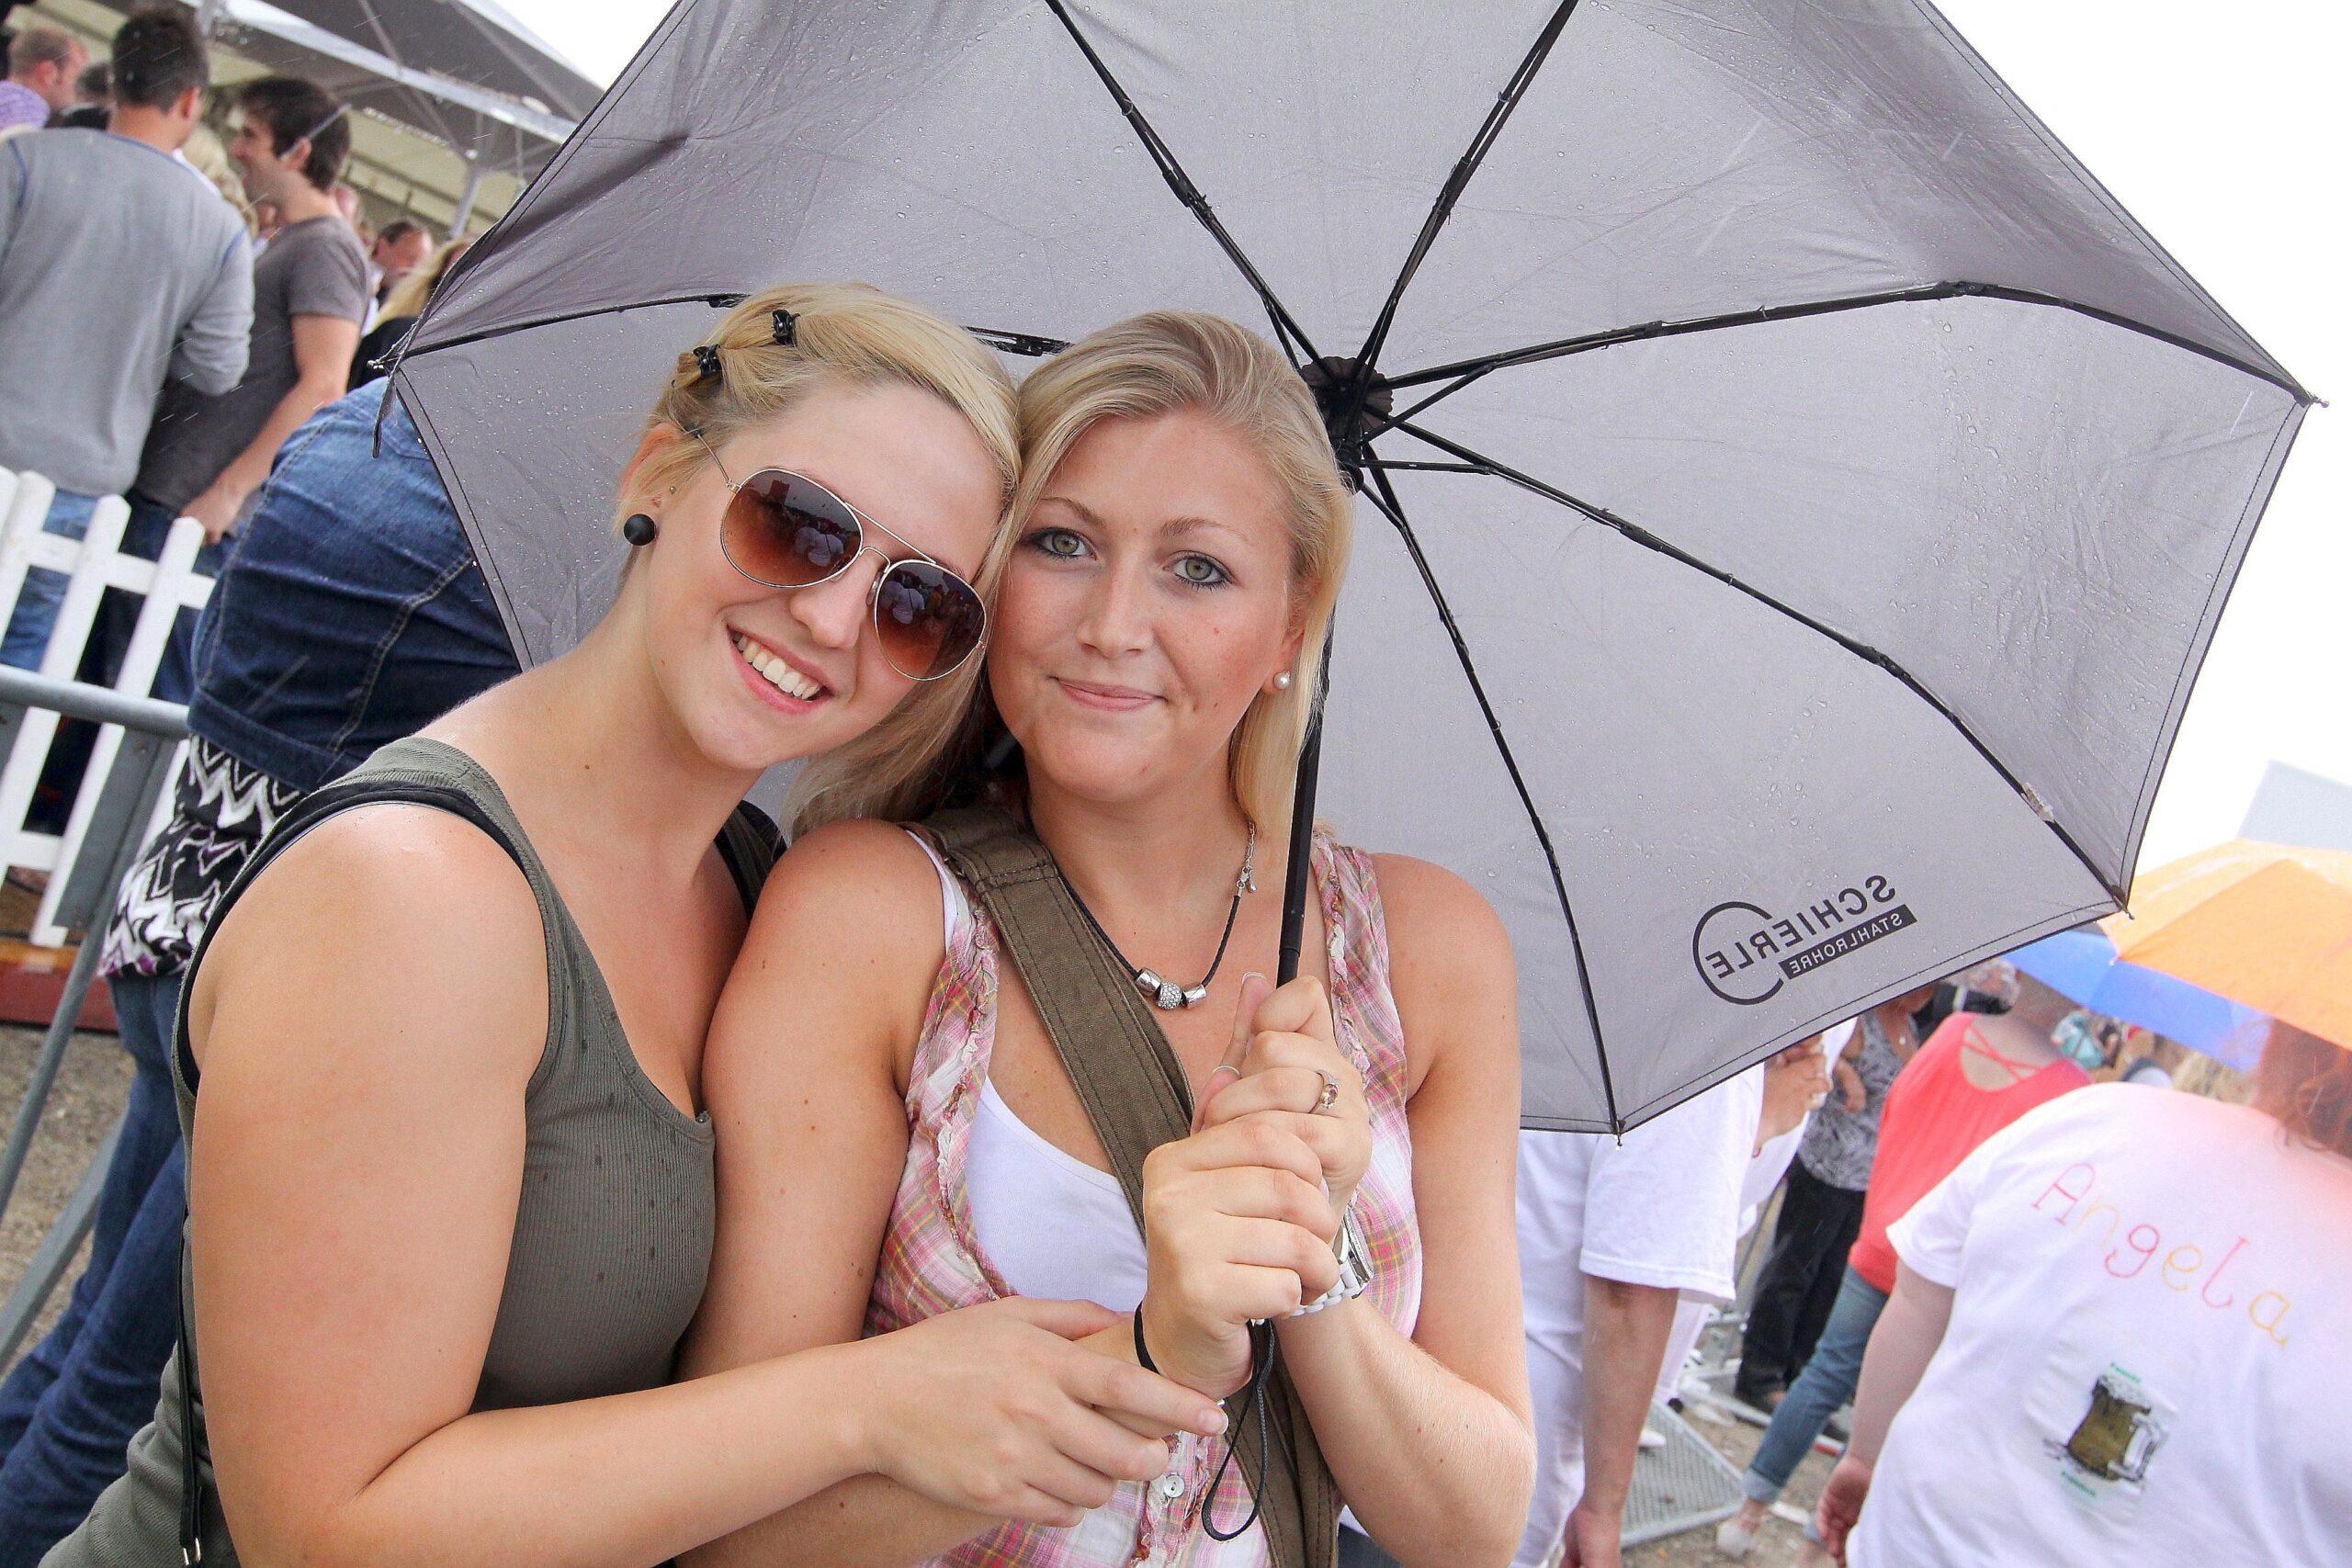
(2118, 1434)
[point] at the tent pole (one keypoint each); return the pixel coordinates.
(466, 200)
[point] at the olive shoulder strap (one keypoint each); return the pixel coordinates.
(1137, 1095)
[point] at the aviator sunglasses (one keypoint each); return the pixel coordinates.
(784, 530)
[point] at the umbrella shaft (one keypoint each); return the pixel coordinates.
(1302, 848)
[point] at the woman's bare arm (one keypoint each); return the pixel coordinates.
(1430, 1437)
(1908, 1334)
(370, 1017)
(804, 1074)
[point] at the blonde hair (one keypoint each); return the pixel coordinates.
(845, 336)
(409, 296)
(1165, 361)
(208, 157)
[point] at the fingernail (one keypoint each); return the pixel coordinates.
(1215, 1421)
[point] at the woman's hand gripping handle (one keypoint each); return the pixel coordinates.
(1240, 1217)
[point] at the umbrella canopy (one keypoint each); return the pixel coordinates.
(2269, 925)
(2082, 965)
(1795, 496)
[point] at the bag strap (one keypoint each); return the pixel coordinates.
(1137, 1097)
(307, 812)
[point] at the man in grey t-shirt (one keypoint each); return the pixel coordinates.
(207, 455)
(117, 264)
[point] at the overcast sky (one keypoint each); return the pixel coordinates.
(2222, 129)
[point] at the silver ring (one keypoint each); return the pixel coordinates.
(1329, 1097)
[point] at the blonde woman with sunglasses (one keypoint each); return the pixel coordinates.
(450, 1175)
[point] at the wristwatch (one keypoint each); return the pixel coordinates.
(1355, 1269)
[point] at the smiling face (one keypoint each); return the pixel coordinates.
(760, 675)
(1149, 602)
(266, 175)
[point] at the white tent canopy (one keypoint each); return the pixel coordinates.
(440, 147)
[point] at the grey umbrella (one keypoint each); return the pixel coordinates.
(1795, 496)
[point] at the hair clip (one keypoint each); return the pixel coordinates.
(787, 327)
(707, 359)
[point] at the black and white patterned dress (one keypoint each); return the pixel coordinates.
(221, 811)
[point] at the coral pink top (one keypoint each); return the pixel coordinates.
(1934, 1119)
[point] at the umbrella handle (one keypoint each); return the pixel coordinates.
(1302, 849)
(1298, 870)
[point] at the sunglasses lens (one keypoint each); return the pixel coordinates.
(786, 532)
(930, 619)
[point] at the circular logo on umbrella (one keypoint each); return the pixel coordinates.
(1725, 963)
(1745, 953)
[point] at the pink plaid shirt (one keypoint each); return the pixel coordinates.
(931, 1261)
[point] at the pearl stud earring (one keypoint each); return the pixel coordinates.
(1282, 681)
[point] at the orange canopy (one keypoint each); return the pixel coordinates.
(2266, 925)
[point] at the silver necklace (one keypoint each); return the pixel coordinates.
(1167, 994)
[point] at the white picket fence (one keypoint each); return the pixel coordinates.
(92, 564)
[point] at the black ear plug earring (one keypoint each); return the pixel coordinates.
(638, 530)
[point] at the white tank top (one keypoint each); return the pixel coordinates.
(1052, 1224)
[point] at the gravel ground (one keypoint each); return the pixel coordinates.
(88, 1095)
(1777, 1547)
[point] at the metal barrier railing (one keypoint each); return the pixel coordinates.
(117, 831)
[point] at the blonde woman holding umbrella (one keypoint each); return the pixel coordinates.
(899, 1135)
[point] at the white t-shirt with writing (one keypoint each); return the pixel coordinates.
(2149, 1362)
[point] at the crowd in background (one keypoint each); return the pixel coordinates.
(162, 335)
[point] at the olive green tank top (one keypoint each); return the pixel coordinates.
(613, 1235)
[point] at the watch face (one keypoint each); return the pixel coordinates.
(1355, 1273)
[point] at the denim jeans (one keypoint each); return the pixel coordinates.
(44, 591)
(1827, 1381)
(351, 611)
(71, 1405)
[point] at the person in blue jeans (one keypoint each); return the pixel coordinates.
(35, 615)
(1828, 1380)
(350, 613)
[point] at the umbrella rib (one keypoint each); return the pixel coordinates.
(1489, 131)
(716, 301)
(1859, 649)
(1027, 344)
(1460, 373)
(1384, 496)
(1292, 337)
